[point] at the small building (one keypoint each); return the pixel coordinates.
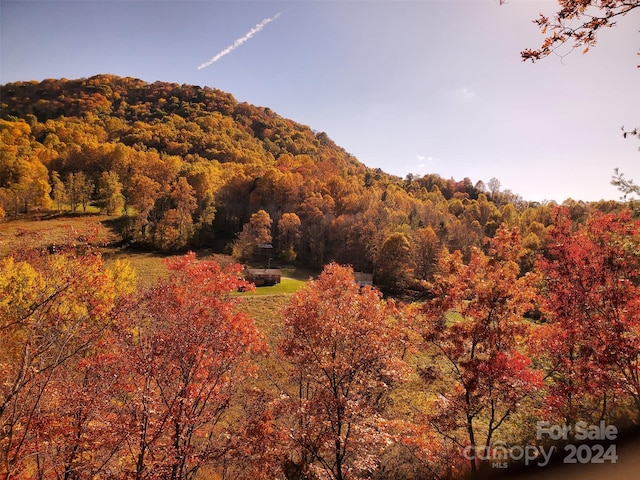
(363, 279)
(263, 276)
(264, 250)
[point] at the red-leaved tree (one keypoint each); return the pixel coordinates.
(577, 24)
(184, 353)
(592, 298)
(344, 348)
(475, 345)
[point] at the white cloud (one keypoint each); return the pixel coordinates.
(466, 93)
(423, 159)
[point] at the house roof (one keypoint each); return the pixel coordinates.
(264, 271)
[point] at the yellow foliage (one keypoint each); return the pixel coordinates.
(123, 276)
(19, 284)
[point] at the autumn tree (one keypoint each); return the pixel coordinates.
(53, 310)
(343, 347)
(355, 236)
(175, 229)
(58, 189)
(315, 214)
(184, 354)
(426, 253)
(591, 342)
(110, 193)
(23, 177)
(289, 233)
(77, 431)
(34, 184)
(395, 263)
(79, 190)
(475, 335)
(141, 195)
(77, 434)
(576, 25)
(257, 231)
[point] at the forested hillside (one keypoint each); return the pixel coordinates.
(189, 166)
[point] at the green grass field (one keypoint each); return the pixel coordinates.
(286, 286)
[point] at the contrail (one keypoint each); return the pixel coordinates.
(240, 41)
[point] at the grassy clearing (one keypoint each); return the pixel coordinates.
(298, 273)
(44, 230)
(266, 313)
(286, 286)
(149, 267)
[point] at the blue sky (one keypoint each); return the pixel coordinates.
(409, 87)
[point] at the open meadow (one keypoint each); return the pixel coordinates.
(48, 231)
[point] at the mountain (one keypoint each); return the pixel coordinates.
(173, 119)
(190, 166)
